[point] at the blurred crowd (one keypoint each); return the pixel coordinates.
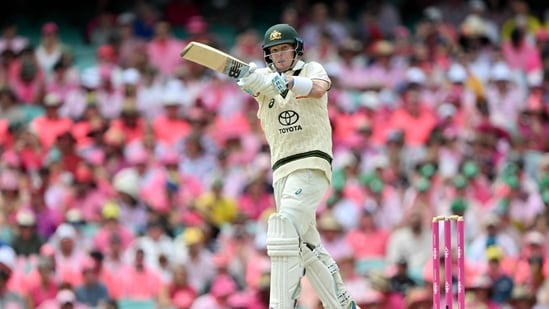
(145, 180)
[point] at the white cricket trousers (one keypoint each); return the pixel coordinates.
(297, 197)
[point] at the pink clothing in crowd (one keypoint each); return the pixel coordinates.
(39, 293)
(136, 284)
(130, 133)
(170, 131)
(253, 207)
(70, 274)
(49, 129)
(525, 58)
(54, 304)
(90, 205)
(365, 245)
(380, 76)
(164, 54)
(417, 129)
(504, 105)
(104, 234)
(5, 137)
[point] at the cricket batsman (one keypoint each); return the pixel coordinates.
(292, 107)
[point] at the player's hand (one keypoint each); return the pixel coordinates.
(277, 85)
(252, 82)
(280, 82)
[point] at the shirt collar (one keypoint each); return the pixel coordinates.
(298, 66)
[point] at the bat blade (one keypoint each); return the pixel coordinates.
(215, 59)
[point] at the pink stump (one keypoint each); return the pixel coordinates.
(448, 262)
(436, 264)
(461, 262)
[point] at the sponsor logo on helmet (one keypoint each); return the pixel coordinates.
(275, 35)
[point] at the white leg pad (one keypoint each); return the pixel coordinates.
(286, 262)
(325, 279)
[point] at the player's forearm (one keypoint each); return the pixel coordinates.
(306, 87)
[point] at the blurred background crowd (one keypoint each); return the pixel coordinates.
(132, 179)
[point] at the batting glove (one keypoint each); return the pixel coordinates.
(277, 84)
(280, 82)
(274, 85)
(253, 81)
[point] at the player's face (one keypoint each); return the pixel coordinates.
(282, 56)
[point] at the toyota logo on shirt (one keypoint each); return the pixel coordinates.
(288, 118)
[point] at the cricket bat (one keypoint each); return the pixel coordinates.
(215, 59)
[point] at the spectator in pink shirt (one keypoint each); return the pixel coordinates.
(383, 200)
(69, 254)
(533, 129)
(28, 80)
(197, 28)
(197, 159)
(109, 92)
(126, 43)
(130, 123)
(332, 235)
(45, 287)
(164, 49)
(414, 117)
(64, 299)
(199, 260)
(216, 298)
(170, 127)
(178, 289)
(260, 295)
(65, 76)
(368, 240)
(113, 264)
(384, 72)
(89, 134)
(153, 88)
(65, 148)
(461, 94)
(532, 264)
(519, 53)
(113, 143)
(8, 66)
(86, 196)
(351, 66)
(255, 199)
(504, 97)
(82, 96)
(8, 296)
(140, 281)
(49, 126)
(111, 225)
(181, 189)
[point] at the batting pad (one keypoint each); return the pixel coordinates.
(324, 279)
(286, 263)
